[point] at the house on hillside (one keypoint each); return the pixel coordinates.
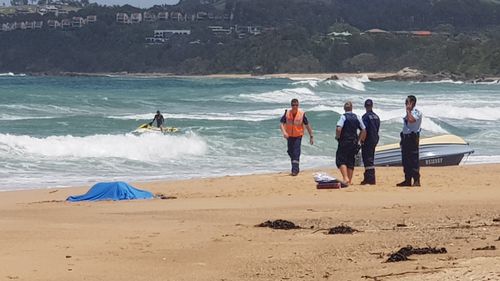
(91, 19)
(164, 33)
(53, 24)
(66, 23)
(149, 17)
(6, 27)
(163, 16)
(201, 16)
(136, 18)
(421, 33)
(219, 30)
(178, 16)
(376, 31)
(122, 18)
(30, 25)
(77, 22)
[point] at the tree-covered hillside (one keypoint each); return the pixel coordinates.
(291, 36)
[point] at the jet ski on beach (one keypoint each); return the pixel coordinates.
(444, 150)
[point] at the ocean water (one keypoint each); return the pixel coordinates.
(67, 131)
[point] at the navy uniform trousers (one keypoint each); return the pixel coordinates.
(294, 144)
(368, 154)
(410, 156)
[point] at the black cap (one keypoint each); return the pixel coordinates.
(368, 102)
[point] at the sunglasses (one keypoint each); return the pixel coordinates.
(295, 104)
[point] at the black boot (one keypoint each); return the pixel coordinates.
(406, 182)
(416, 182)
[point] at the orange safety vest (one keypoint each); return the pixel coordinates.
(294, 126)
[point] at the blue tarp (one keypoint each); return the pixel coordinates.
(112, 191)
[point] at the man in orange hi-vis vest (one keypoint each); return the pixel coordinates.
(292, 126)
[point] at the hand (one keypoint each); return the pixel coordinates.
(311, 140)
(409, 106)
(285, 135)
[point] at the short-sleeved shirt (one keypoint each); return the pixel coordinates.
(304, 119)
(408, 127)
(372, 124)
(341, 121)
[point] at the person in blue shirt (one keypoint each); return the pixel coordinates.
(410, 139)
(372, 124)
(346, 134)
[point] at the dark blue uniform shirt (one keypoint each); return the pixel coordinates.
(372, 124)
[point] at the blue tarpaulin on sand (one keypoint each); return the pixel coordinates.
(117, 190)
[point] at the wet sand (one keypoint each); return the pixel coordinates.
(208, 232)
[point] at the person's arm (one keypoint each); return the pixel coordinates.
(310, 131)
(282, 125)
(338, 131)
(340, 124)
(362, 133)
(362, 136)
(409, 116)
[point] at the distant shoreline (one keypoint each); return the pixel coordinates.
(402, 75)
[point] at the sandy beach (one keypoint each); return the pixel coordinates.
(208, 232)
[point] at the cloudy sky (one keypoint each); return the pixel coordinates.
(137, 3)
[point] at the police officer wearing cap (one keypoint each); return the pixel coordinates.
(347, 136)
(410, 138)
(372, 124)
(292, 127)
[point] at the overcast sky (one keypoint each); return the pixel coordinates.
(137, 3)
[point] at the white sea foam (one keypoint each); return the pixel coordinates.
(481, 159)
(444, 81)
(313, 83)
(7, 117)
(149, 147)
(305, 95)
(250, 116)
(350, 82)
(455, 112)
(12, 74)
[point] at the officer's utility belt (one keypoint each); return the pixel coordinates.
(410, 135)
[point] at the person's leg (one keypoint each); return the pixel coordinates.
(406, 160)
(343, 171)
(340, 160)
(296, 155)
(415, 161)
(368, 154)
(290, 143)
(350, 172)
(371, 167)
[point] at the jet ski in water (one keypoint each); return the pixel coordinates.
(445, 150)
(148, 128)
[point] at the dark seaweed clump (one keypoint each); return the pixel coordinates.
(342, 229)
(405, 252)
(487, 248)
(279, 224)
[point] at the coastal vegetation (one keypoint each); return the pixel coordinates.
(453, 36)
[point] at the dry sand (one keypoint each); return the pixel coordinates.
(208, 232)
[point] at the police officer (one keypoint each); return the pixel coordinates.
(347, 136)
(372, 124)
(410, 137)
(292, 127)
